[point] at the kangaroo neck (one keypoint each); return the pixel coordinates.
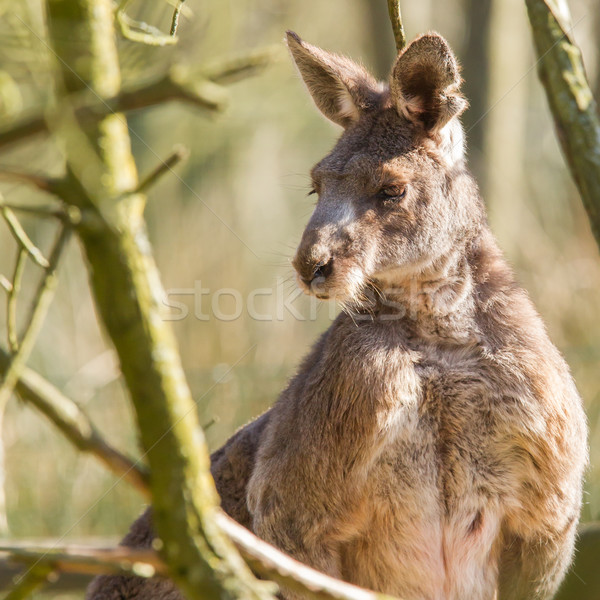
(435, 302)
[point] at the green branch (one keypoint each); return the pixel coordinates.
(571, 102)
(398, 28)
(128, 293)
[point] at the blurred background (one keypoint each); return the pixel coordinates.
(225, 226)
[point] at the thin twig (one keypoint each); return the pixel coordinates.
(29, 582)
(22, 238)
(94, 561)
(11, 301)
(39, 211)
(139, 31)
(232, 69)
(175, 20)
(396, 19)
(179, 153)
(164, 88)
(45, 184)
(39, 308)
(74, 423)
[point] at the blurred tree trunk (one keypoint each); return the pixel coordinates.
(504, 120)
(128, 292)
(380, 38)
(475, 63)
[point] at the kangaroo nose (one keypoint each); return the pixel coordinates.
(321, 270)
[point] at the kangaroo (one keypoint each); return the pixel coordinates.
(432, 444)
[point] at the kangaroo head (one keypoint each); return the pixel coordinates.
(394, 196)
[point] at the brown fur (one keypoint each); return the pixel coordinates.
(432, 444)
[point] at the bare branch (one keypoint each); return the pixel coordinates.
(270, 563)
(30, 581)
(179, 153)
(22, 238)
(11, 301)
(37, 210)
(264, 559)
(396, 19)
(572, 104)
(175, 20)
(175, 85)
(94, 561)
(197, 87)
(232, 69)
(45, 184)
(40, 305)
(74, 423)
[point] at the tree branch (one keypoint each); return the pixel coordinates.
(22, 238)
(264, 559)
(232, 69)
(11, 301)
(74, 423)
(571, 102)
(30, 581)
(127, 290)
(198, 87)
(93, 561)
(396, 19)
(40, 305)
(270, 563)
(139, 31)
(179, 153)
(175, 85)
(175, 19)
(45, 184)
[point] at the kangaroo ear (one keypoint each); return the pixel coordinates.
(340, 88)
(425, 83)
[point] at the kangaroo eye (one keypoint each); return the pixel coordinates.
(312, 191)
(392, 192)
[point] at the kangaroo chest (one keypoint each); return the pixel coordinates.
(435, 491)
